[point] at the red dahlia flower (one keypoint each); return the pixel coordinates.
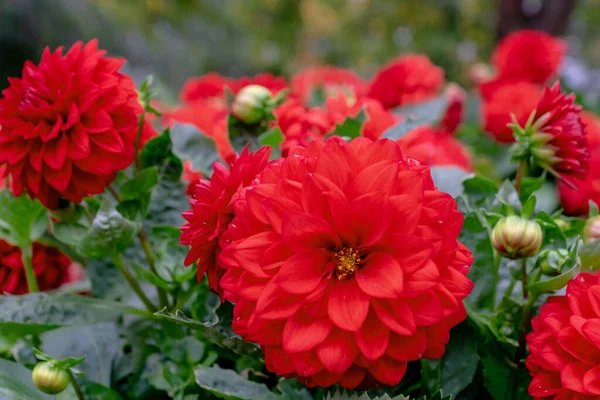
(343, 262)
(275, 84)
(331, 80)
(405, 80)
(209, 87)
(576, 200)
(564, 346)
(435, 147)
(212, 211)
(529, 55)
(518, 99)
(68, 125)
(455, 112)
(378, 118)
(51, 268)
(301, 124)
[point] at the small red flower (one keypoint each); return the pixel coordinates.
(212, 211)
(455, 112)
(301, 124)
(518, 99)
(378, 118)
(405, 80)
(209, 87)
(576, 200)
(51, 267)
(68, 125)
(331, 80)
(564, 346)
(344, 264)
(432, 146)
(529, 55)
(191, 177)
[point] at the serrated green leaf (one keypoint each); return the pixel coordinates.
(22, 220)
(501, 379)
(226, 384)
(136, 193)
(170, 255)
(158, 152)
(109, 235)
(191, 144)
(449, 179)
(16, 383)
(273, 137)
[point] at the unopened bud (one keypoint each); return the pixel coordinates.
(50, 379)
(591, 231)
(251, 104)
(515, 237)
(550, 261)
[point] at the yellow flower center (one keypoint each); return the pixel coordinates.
(348, 261)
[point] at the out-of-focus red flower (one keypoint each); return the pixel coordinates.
(564, 346)
(378, 118)
(301, 124)
(529, 55)
(212, 211)
(3, 177)
(344, 264)
(519, 98)
(191, 177)
(209, 87)
(432, 146)
(455, 112)
(576, 200)
(405, 80)
(51, 267)
(68, 125)
(275, 84)
(210, 120)
(331, 80)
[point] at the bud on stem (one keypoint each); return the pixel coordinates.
(252, 104)
(515, 237)
(50, 379)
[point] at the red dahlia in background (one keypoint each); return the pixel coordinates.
(518, 99)
(331, 80)
(301, 124)
(405, 80)
(68, 125)
(529, 55)
(51, 267)
(212, 211)
(564, 346)
(344, 264)
(455, 112)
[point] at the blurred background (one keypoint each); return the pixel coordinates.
(176, 39)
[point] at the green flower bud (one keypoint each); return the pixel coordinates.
(50, 379)
(515, 237)
(251, 104)
(550, 261)
(591, 231)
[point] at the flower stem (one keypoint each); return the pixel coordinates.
(521, 173)
(138, 138)
(26, 254)
(525, 314)
(162, 295)
(119, 263)
(75, 385)
(114, 193)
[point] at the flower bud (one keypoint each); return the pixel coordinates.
(515, 237)
(50, 379)
(251, 103)
(591, 231)
(550, 261)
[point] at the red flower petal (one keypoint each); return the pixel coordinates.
(373, 338)
(348, 305)
(338, 351)
(302, 272)
(302, 333)
(380, 276)
(396, 315)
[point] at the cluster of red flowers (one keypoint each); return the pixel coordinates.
(342, 259)
(52, 268)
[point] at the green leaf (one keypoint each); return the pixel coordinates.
(555, 283)
(449, 179)
(110, 234)
(590, 256)
(22, 220)
(144, 274)
(554, 237)
(91, 390)
(508, 195)
(158, 152)
(351, 126)
(273, 137)
(501, 379)
(98, 343)
(35, 313)
(107, 281)
(218, 333)
(529, 207)
(69, 233)
(191, 144)
(169, 199)
(170, 255)
(226, 384)
(480, 191)
(16, 383)
(456, 369)
(140, 184)
(531, 185)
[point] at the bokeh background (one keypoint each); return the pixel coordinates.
(176, 39)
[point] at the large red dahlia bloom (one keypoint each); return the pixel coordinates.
(68, 125)
(564, 346)
(405, 80)
(344, 264)
(51, 267)
(331, 80)
(432, 146)
(212, 211)
(529, 55)
(515, 98)
(301, 124)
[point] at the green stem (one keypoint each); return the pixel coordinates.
(75, 385)
(162, 295)
(510, 288)
(120, 264)
(521, 173)
(26, 254)
(115, 194)
(138, 138)
(525, 314)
